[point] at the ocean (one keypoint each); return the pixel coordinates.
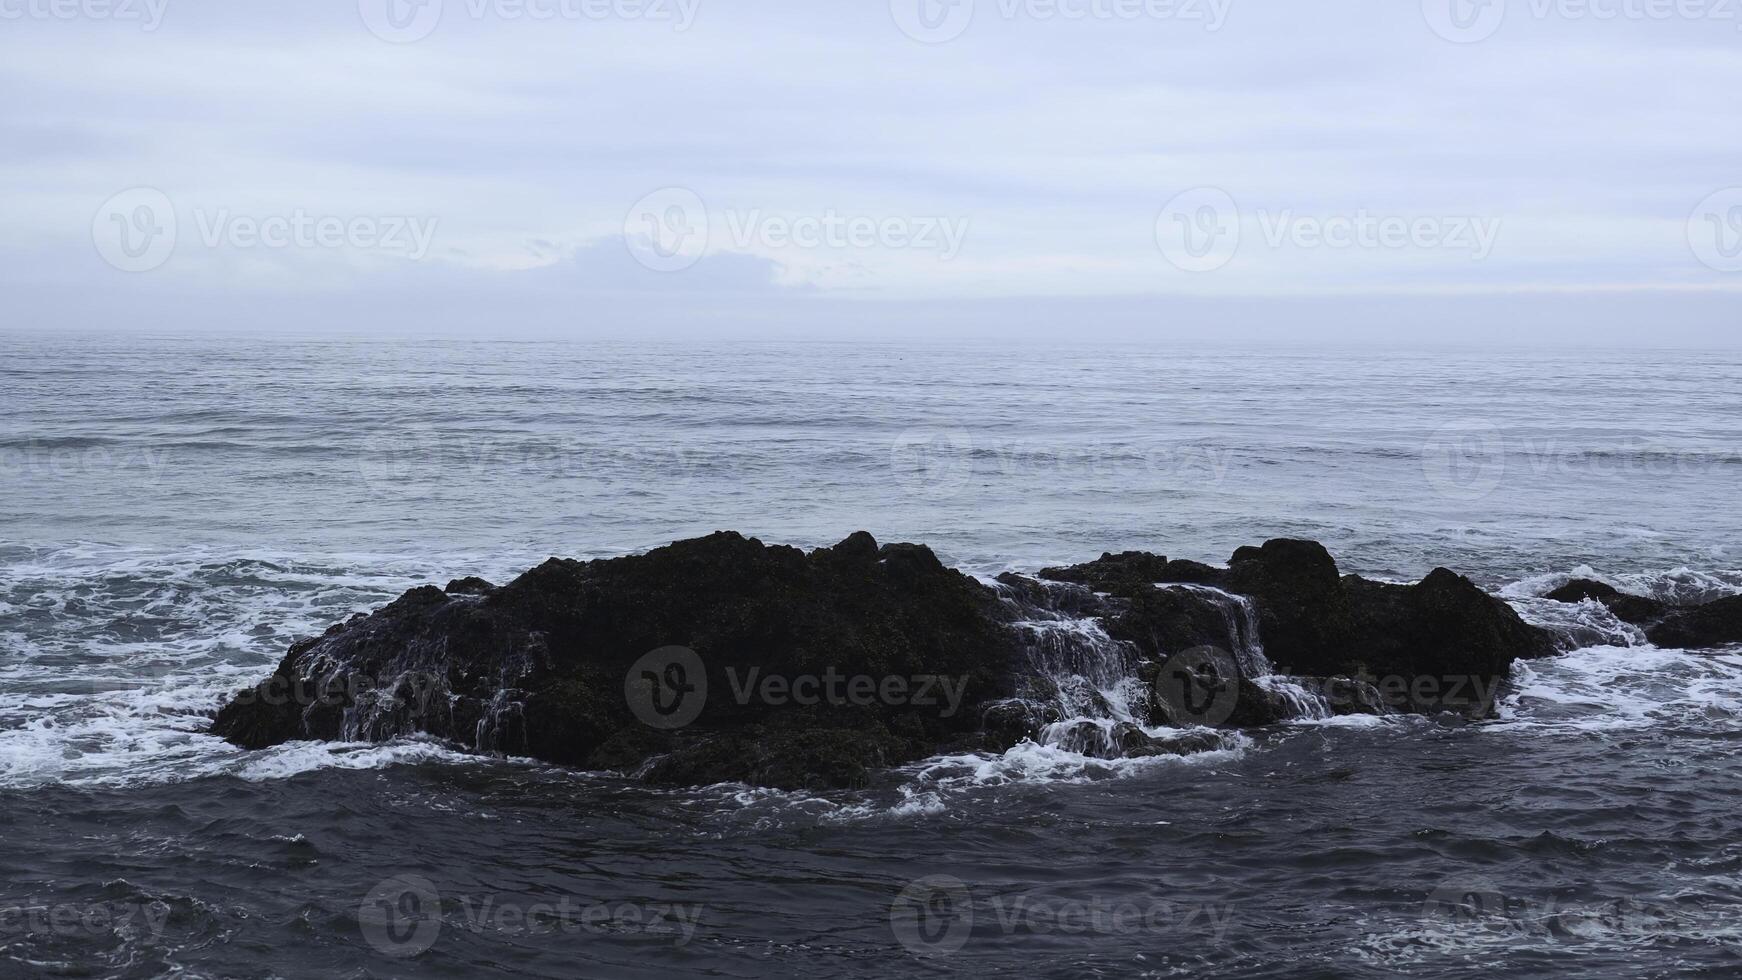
(176, 510)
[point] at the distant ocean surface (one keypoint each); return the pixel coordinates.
(174, 511)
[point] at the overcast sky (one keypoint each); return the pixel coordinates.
(1520, 168)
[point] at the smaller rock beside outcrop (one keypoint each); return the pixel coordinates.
(1134, 569)
(1717, 623)
(1628, 608)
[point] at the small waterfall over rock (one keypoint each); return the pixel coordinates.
(1095, 681)
(1248, 649)
(1092, 699)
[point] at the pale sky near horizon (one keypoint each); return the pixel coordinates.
(1514, 168)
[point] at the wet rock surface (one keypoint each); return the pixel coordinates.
(1635, 609)
(1717, 623)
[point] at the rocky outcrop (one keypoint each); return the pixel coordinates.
(781, 668)
(725, 659)
(1717, 623)
(1440, 644)
(1713, 624)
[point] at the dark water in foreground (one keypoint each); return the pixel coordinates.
(175, 511)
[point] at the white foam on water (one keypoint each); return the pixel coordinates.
(1587, 623)
(295, 758)
(1032, 762)
(1680, 585)
(1598, 689)
(112, 660)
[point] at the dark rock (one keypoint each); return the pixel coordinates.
(1628, 608)
(1303, 612)
(1122, 572)
(539, 667)
(1065, 598)
(1006, 723)
(1347, 696)
(1163, 622)
(1441, 644)
(1110, 570)
(814, 759)
(1183, 743)
(1257, 707)
(470, 585)
(1717, 623)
